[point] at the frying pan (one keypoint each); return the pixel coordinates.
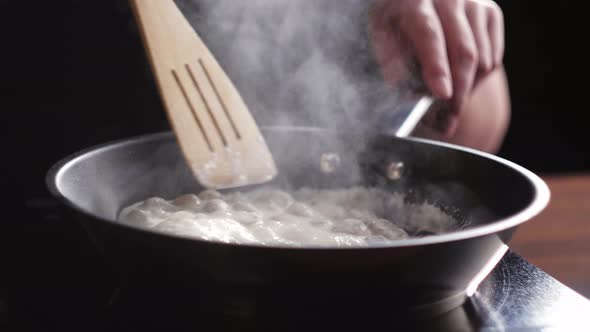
(490, 197)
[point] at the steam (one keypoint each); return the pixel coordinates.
(296, 62)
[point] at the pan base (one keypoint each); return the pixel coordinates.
(291, 307)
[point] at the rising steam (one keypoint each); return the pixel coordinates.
(296, 62)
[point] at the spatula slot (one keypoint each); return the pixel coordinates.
(206, 103)
(221, 102)
(193, 111)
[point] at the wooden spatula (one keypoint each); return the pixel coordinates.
(217, 134)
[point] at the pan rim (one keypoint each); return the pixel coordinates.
(538, 203)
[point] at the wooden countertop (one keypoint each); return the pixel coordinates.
(558, 240)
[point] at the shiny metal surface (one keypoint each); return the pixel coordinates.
(329, 162)
(518, 295)
(412, 273)
(405, 122)
(402, 121)
(395, 170)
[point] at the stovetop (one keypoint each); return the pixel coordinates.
(81, 293)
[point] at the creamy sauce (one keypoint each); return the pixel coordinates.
(352, 217)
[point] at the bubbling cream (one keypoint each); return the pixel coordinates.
(351, 217)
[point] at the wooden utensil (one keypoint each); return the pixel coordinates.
(217, 134)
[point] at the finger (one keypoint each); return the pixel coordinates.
(496, 32)
(425, 33)
(447, 123)
(386, 44)
(429, 119)
(437, 133)
(461, 46)
(477, 15)
(441, 119)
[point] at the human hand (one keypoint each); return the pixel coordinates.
(455, 42)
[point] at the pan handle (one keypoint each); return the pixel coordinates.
(414, 102)
(403, 119)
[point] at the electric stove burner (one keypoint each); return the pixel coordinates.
(516, 295)
(79, 293)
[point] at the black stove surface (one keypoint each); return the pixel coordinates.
(81, 293)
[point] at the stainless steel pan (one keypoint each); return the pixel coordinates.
(491, 197)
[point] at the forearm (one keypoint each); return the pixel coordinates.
(485, 116)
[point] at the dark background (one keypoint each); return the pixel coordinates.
(73, 74)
